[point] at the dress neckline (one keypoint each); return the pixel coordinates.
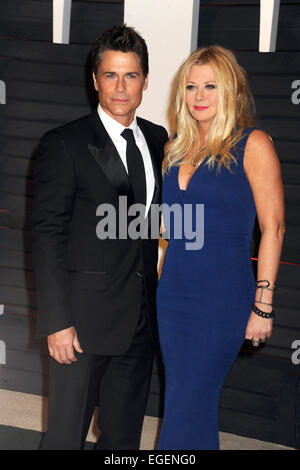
(191, 177)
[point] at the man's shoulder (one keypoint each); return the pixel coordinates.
(156, 130)
(71, 129)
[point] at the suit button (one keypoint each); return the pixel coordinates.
(139, 274)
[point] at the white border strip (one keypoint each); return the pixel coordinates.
(269, 14)
(61, 21)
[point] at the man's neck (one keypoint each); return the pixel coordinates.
(125, 121)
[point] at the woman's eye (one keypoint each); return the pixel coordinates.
(190, 87)
(210, 86)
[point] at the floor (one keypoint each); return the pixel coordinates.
(27, 411)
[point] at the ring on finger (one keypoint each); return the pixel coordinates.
(255, 342)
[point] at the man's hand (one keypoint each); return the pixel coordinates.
(62, 344)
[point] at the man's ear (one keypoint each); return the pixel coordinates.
(95, 82)
(146, 82)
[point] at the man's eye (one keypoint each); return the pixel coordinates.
(131, 75)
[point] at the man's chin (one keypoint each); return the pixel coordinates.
(120, 110)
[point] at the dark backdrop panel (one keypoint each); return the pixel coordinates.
(235, 25)
(32, 19)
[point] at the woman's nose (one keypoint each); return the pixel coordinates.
(200, 94)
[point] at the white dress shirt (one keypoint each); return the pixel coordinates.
(114, 130)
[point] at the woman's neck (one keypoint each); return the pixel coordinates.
(203, 130)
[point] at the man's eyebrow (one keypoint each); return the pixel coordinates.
(127, 73)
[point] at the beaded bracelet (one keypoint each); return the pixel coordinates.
(262, 314)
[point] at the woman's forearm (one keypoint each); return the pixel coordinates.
(268, 263)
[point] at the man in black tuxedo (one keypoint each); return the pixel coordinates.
(96, 295)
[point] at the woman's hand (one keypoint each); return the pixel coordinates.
(163, 229)
(258, 328)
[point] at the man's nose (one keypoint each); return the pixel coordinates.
(120, 84)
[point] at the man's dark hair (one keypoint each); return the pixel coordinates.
(121, 38)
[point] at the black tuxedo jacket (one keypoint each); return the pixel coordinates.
(81, 280)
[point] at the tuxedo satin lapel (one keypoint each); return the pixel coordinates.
(111, 164)
(107, 157)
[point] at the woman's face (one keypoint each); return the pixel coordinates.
(201, 94)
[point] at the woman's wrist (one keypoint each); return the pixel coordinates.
(266, 306)
(264, 295)
(263, 313)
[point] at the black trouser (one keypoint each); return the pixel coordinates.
(119, 383)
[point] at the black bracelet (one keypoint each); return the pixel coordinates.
(275, 285)
(262, 314)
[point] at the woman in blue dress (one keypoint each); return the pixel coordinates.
(219, 173)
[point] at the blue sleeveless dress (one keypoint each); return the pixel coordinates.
(204, 297)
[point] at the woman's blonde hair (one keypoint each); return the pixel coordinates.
(235, 112)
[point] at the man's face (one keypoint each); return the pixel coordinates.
(120, 84)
